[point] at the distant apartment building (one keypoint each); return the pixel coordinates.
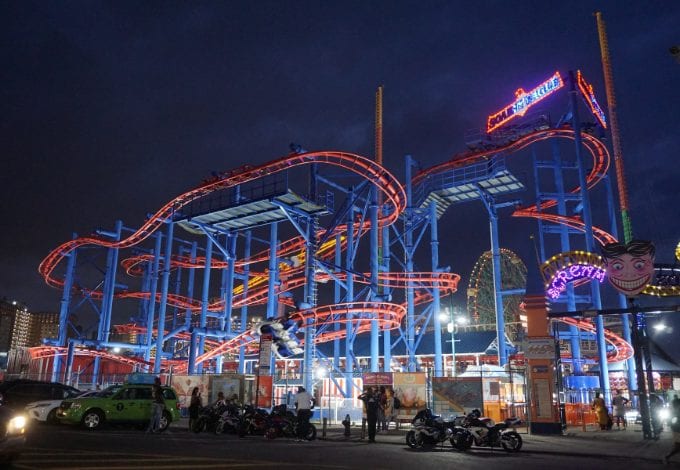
(21, 329)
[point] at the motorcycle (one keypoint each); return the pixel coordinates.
(428, 430)
(208, 418)
(229, 420)
(254, 421)
(284, 423)
(474, 429)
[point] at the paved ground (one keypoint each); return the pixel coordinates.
(618, 444)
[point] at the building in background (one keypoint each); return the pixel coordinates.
(21, 329)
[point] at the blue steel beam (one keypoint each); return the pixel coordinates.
(590, 241)
(244, 309)
(64, 313)
(375, 331)
(436, 306)
(165, 284)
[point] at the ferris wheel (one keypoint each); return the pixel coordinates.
(481, 305)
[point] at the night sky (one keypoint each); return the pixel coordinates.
(110, 109)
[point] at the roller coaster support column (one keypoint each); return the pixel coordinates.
(575, 340)
(107, 300)
(375, 331)
(272, 304)
(190, 285)
(228, 283)
(191, 367)
(385, 267)
(310, 284)
(336, 298)
(205, 296)
(436, 305)
(408, 248)
(244, 309)
(165, 282)
(273, 270)
(63, 313)
(590, 242)
(492, 208)
(349, 267)
(69, 362)
(151, 312)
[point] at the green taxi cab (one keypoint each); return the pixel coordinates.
(119, 404)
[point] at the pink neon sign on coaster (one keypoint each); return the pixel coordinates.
(523, 101)
(572, 273)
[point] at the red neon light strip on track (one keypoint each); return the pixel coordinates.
(391, 189)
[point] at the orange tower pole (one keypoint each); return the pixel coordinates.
(614, 128)
(379, 150)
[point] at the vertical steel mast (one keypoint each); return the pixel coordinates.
(614, 128)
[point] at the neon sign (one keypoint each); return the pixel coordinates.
(523, 101)
(589, 97)
(572, 273)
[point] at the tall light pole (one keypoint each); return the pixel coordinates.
(452, 328)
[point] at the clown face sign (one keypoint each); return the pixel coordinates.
(630, 267)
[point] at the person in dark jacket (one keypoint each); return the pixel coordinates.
(157, 407)
(194, 407)
(371, 400)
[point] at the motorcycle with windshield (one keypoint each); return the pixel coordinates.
(428, 430)
(474, 429)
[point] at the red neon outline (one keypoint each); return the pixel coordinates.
(588, 95)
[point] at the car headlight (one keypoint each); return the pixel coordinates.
(16, 425)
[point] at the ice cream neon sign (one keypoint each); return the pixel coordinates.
(559, 281)
(586, 90)
(523, 101)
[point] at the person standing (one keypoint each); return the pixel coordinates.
(157, 407)
(372, 404)
(600, 409)
(382, 400)
(303, 405)
(675, 427)
(194, 407)
(390, 411)
(619, 403)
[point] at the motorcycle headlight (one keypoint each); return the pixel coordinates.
(16, 425)
(664, 413)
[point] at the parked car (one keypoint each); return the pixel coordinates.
(119, 404)
(45, 411)
(13, 439)
(18, 393)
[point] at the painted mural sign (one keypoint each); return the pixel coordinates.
(456, 395)
(539, 348)
(410, 388)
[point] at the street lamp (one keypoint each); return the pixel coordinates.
(452, 328)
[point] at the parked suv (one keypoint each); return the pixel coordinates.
(118, 404)
(18, 393)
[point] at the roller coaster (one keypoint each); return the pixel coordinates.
(192, 333)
